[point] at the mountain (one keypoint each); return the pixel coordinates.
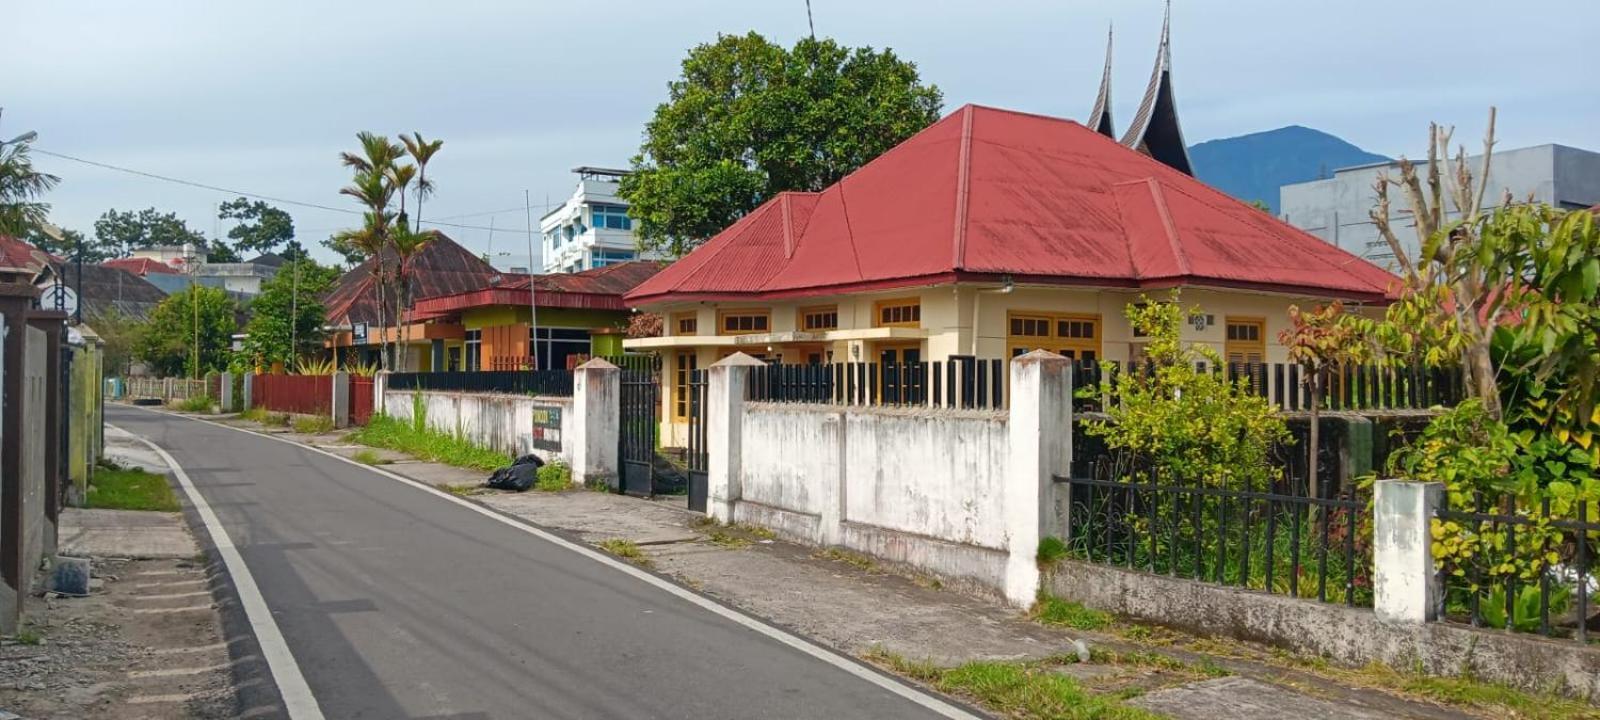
(1254, 166)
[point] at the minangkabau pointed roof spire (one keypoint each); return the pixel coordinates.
(1155, 130)
(1100, 116)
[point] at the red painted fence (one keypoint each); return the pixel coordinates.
(360, 400)
(303, 394)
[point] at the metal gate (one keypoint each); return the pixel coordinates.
(641, 405)
(697, 457)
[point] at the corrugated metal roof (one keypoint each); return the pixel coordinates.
(596, 289)
(142, 266)
(441, 267)
(988, 192)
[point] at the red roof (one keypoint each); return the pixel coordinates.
(440, 267)
(597, 289)
(986, 193)
(19, 253)
(142, 266)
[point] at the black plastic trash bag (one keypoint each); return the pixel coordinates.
(518, 476)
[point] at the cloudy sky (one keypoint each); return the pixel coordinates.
(261, 96)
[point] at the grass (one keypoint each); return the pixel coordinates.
(196, 404)
(627, 550)
(723, 538)
(1032, 691)
(855, 559)
(28, 636)
(313, 424)
(118, 488)
(1050, 610)
(265, 417)
(1051, 550)
(428, 444)
(1493, 699)
(555, 477)
(758, 531)
(368, 457)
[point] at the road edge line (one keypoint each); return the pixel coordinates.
(843, 662)
(298, 701)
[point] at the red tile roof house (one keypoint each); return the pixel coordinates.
(142, 267)
(991, 233)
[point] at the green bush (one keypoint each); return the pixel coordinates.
(431, 445)
(196, 404)
(313, 424)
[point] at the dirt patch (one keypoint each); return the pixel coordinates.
(147, 643)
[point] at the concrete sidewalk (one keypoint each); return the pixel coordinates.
(862, 608)
(133, 534)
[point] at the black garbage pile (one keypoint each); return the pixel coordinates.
(518, 476)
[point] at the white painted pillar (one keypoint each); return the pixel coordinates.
(1406, 584)
(380, 386)
(597, 420)
(249, 385)
(227, 392)
(1039, 432)
(725, 393)
(340, 404)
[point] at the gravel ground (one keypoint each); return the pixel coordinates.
(146, 643)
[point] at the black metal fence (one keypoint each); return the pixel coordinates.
(698, 455)
(1363, 387)
(1286, 544)
(961, 382)
(1515, 568)
(556, 383)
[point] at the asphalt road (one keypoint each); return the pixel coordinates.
(399, 604)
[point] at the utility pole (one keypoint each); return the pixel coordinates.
(294, 315)
(533, 292)
(810, 24)
(194, 303)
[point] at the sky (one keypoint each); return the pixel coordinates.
(262, 96)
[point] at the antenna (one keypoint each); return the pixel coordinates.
(809, 23)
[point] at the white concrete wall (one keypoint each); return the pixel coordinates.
(501, 422)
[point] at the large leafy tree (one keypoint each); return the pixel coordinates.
(287, 318)
(20, 189)
(119, 233)
(261, 228)
(168, 341)
(749, 119)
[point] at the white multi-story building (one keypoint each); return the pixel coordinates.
(592, 228)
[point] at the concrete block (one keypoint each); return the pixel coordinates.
(1405, 583)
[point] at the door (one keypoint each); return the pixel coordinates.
(899, 370)
(1246, 349)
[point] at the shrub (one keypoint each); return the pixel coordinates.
(313, 424)
(431, 445)
(555, 477)
(196, 404)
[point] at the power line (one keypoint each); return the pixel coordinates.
(258, 196)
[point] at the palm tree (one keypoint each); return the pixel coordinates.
(372, 187)
(20, 186)
(421, 152)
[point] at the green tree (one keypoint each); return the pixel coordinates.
(749, 119)
(168, 342)
(287, 318)
(20, 189)
(121, 335)
(119, 233)
(261, 228)
(1321, 340)
(65, 244)
(421, 152)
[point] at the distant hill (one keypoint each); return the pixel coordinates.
(1254, 166)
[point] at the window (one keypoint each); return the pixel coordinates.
(602, 258)
(611, 217)
(556, 344)
(474, 349)
(904, 312)
(568, 232)
(686, 364)
(819, 318)
(743, 322)
(686, 324)
(1246, 340)
(1075, 336)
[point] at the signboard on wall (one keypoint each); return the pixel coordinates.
(547, 427)
(358, 333)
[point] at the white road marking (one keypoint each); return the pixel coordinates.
(934, 704)
(297, 698)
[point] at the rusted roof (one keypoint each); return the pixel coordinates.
(985, 194)
(596, 289)
(142, 266)
(18, 253)
(441, 267)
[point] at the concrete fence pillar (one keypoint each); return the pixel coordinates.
(724, 409)
(1406, 584)
(1039, 433)
(597, 416)
(227, 392)
(340, 403)
(249, 386)
(380, 386)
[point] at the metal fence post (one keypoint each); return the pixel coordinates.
(1406, 585)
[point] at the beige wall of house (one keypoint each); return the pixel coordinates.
(1068, 320)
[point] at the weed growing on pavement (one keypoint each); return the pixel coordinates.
(627, 550)
(196, 404)
(130, 489)
(555, 477)
(1051, 550)
(757, 530)
(1494, 699)
(27, 635)
(723, 538)
(425, 443)
(265, 417)
(1050, 610)
(704, 521)
(859, 561)
(368, 457)
(1019, 690)
(462, 489)
(313, 424)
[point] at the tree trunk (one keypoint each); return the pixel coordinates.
(1480, 370)
(1312, 481)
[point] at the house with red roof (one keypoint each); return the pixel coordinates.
(573, 316)
(142, 266)
(989, 234)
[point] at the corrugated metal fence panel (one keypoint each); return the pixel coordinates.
(302, 394)
(360, 400)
